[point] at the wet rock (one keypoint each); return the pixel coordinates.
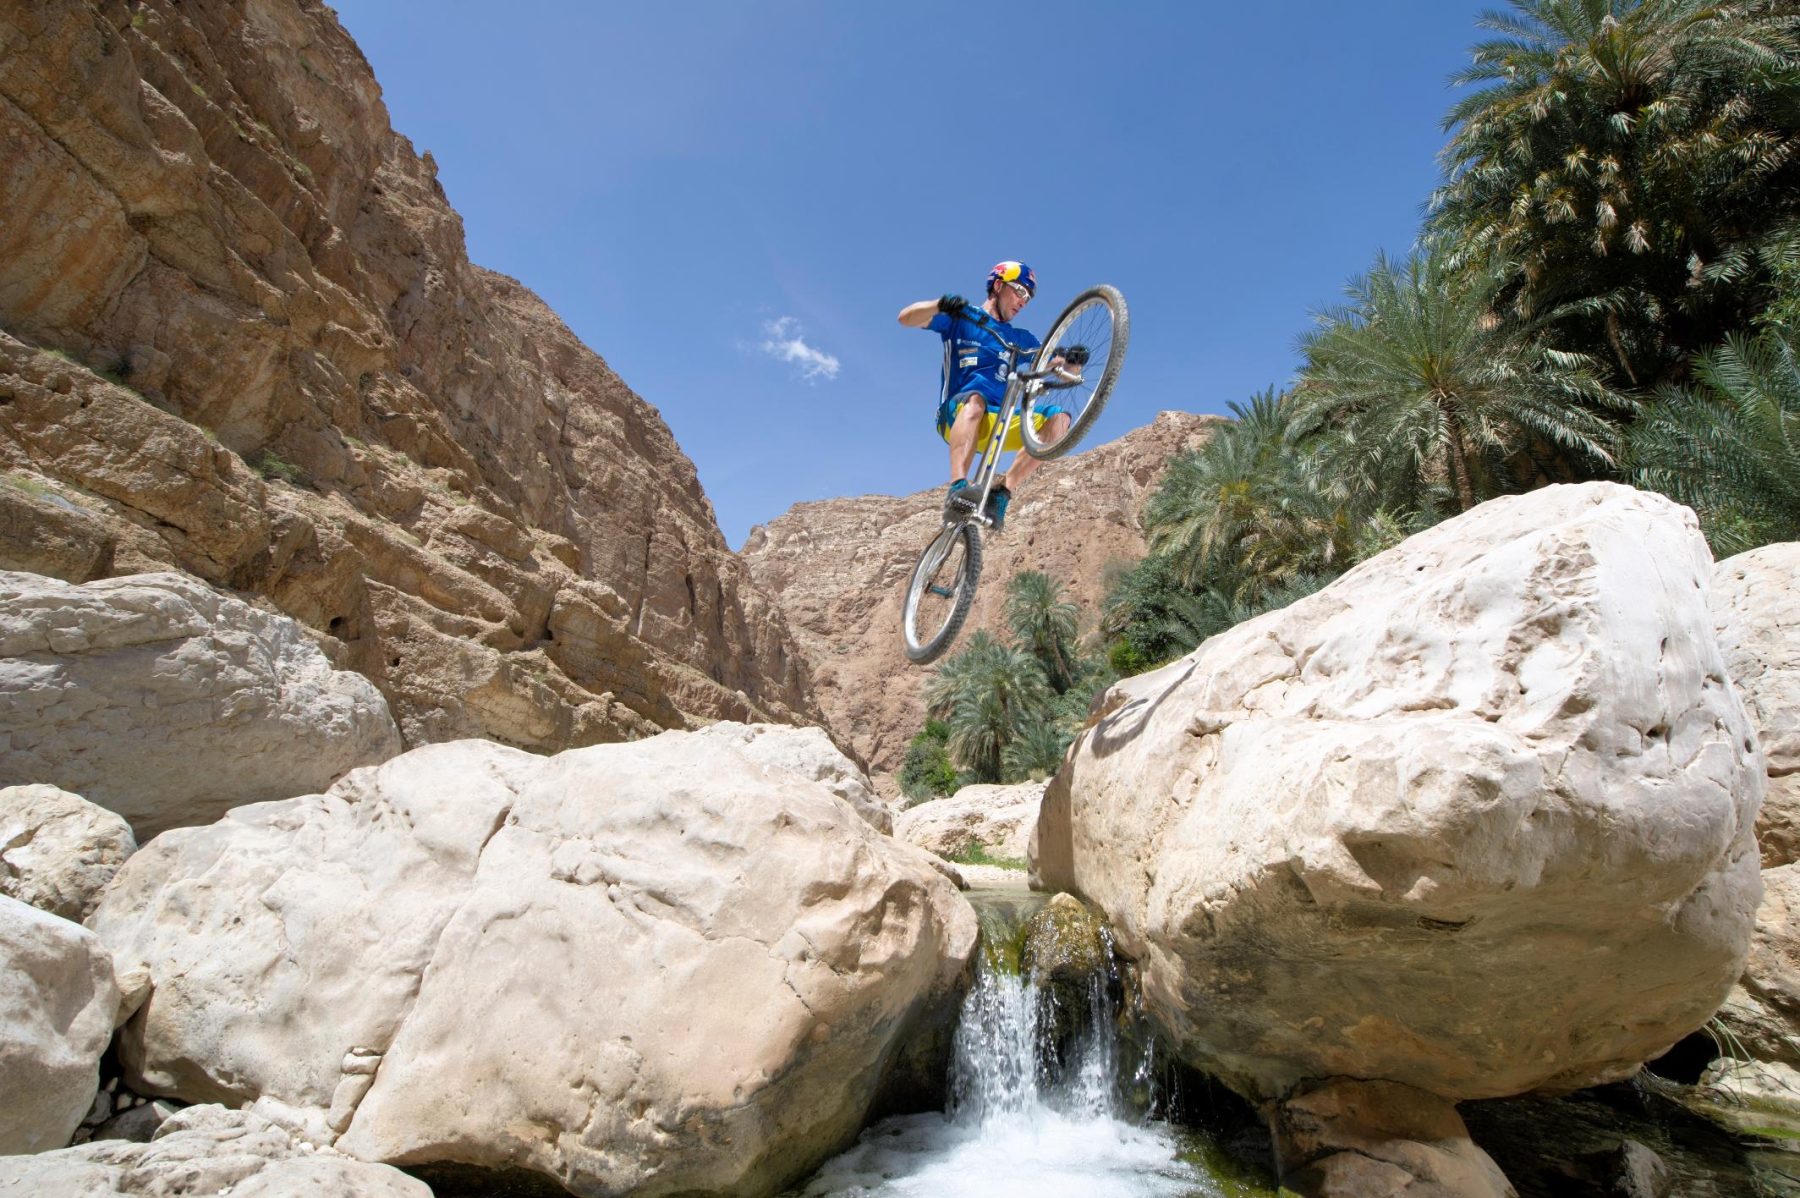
(1067, 954)
(1345, 1138)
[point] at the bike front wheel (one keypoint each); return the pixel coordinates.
(941, 591)
(1090, 338)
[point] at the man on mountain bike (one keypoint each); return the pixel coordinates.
(975, 381)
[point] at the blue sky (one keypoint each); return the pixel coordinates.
(694, 186)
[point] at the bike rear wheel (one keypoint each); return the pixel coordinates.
(1097, 323)
(941, 592)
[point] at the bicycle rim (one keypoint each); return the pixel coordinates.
(941, 592)
(1097, 321)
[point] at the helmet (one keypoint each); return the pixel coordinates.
(1012, 272)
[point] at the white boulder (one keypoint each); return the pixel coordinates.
(999, 819)
(658, 967)
(57, 850)
(201, 1152)
(168, 702)
(807, 753)
(1762, 1014)
(58, 1007)
(1477, 818)
(1756, 607)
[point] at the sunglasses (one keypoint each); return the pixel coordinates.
(1020, 290)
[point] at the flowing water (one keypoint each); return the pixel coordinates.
(1033, 1111)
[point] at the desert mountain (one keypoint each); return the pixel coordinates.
(839, 568)
(240, 336)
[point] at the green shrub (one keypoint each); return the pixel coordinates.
(927, 773)
(272, 466)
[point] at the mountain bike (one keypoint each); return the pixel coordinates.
(1074, 371)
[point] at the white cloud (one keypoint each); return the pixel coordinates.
(782, 341)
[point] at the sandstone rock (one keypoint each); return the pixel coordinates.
(204, 1151)
(1476, 818)
(57, 850)
(167, 702)
(1756, 607)
(806, 753)
(997, 818)
(655, 968)
(42, 532)
(58, 1004)
(838, 569)
(1345, 1138)
(244, 340)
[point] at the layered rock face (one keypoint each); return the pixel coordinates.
(1477, 818)
(653, 968)
(168, 702)
(242, 338)
(1756, 608)
(839, 569)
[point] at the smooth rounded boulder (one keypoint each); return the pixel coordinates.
(58, 1006)
(650, 968)
(57, 850)
(809, 754)
(167, 701)
(1756, 609)
(994, 819)
(1477, 818)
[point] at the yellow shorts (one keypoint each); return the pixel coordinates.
(947, 417)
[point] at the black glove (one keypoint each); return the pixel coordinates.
(952, 305)
(1073, 355)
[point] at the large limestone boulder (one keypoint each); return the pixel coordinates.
(1477, 818)
(57, 850)
(999, 819)
(807, 753)
(651, 968)
(1756, 608)
(58, 1005)
(167, 701)
(1762, 1014)
(205, 1151)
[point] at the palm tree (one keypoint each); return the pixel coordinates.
(1730, 448)
(1036, 751)
(987, 694)
(1630, 158)
(1243, 511)
(1418, 379)
(1044, 622)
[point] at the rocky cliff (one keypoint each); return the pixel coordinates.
(839, 567)
(240, 335)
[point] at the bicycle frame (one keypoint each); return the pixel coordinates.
(1016, 383)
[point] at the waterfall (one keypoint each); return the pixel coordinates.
(1039, 1106)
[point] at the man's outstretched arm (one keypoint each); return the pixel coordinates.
(917, 316)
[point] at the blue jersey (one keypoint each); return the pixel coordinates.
(974, 360)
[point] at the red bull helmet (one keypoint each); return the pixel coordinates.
(1012, 272)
